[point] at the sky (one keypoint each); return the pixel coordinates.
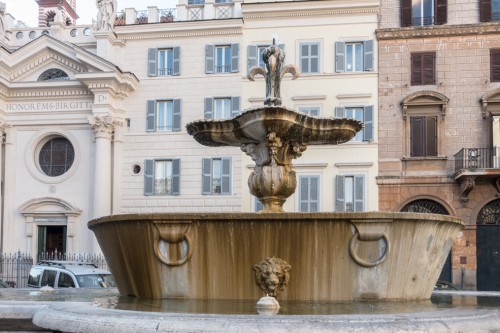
(27, 10)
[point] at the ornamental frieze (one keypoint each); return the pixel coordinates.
(438, 31)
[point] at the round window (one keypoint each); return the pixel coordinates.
(56, 156)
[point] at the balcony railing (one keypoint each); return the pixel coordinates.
(477, 158)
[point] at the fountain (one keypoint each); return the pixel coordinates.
(290, 256)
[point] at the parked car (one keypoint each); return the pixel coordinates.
(69, 274)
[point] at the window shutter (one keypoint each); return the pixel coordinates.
(151, 116)
(176, 176)
(152, 62)
(313, 194)
(235, 58)
(368, 56)
(406, 13)
(226, 175)
(368, 123)
(339, 194)
(416, 69)
(209, 59)
(209, 108)
(429, 68)
(252, 56)
(149, 177)
(495, 65)
(42, 239)
(339, 57)
(339, 112)
(431, 136)
(359, 193)
(441, 12)
(176, 70)
(235, 106)
(304, 194)
(206, 176)
(417, 136)
(485, 11)
(177, 115)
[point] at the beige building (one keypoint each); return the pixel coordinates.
(93, 117)
(438, 98)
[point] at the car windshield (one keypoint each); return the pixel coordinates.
(96, 281)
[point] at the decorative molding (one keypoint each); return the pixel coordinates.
(362, 95)
(103, 126)
(42, 60)
(438, 31)
(353, 164)
(489, 100)
(421, 98)
(265, 13)
(467, 183)
(308, 97)
(32, 207)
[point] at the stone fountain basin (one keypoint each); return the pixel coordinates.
(333, 256)
(254, 125)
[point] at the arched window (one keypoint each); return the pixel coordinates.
(490, 213)
(53, 74)
(425, 206)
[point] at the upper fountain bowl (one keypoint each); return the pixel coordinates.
(254, 126)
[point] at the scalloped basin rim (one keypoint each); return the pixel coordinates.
(254, 125)
(365, 217)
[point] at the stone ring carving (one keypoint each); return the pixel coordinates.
(363, 262)
(184, 238)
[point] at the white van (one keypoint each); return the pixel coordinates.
(69, 274)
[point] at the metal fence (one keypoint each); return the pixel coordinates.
(477, 158)
(15, 267)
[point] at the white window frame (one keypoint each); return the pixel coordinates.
(222, 108)
(353, 175)
(225, 56)
(422, 17)
(353, 57)
(168, 54)
(169, 177)
(164, 115)
(310, 109)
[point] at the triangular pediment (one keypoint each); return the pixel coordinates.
(27, 63)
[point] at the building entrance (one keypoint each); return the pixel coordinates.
(51, 240)
(488, 247)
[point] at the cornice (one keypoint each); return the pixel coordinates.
(41, 60)
(438, 31)
(183, 29)
(265, 10)
(117, 84)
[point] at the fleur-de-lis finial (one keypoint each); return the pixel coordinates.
(273, 57)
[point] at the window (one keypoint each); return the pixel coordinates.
(164, 61)
(354, 56)
(309, 193)
(216, 176)
(254, 54)
(423, 136)
(309, 57)
(162, 177)
(489, 10)
(361, 113)
(65, 281)
(222, 58)
(423, 12)
(221, 108)
(223, 1)
(164, 116)
(350, 193)
(423, 68)
(48, 278)
(310, 110)
(56, 156)
(196, 2)
(53, 74)
(495, 65)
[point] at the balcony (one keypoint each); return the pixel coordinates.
(473, 164)
(194, 10)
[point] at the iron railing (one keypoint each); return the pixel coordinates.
(15, 267)
(168, 15)
(477, 158)
(120, 18)
(142, 17)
